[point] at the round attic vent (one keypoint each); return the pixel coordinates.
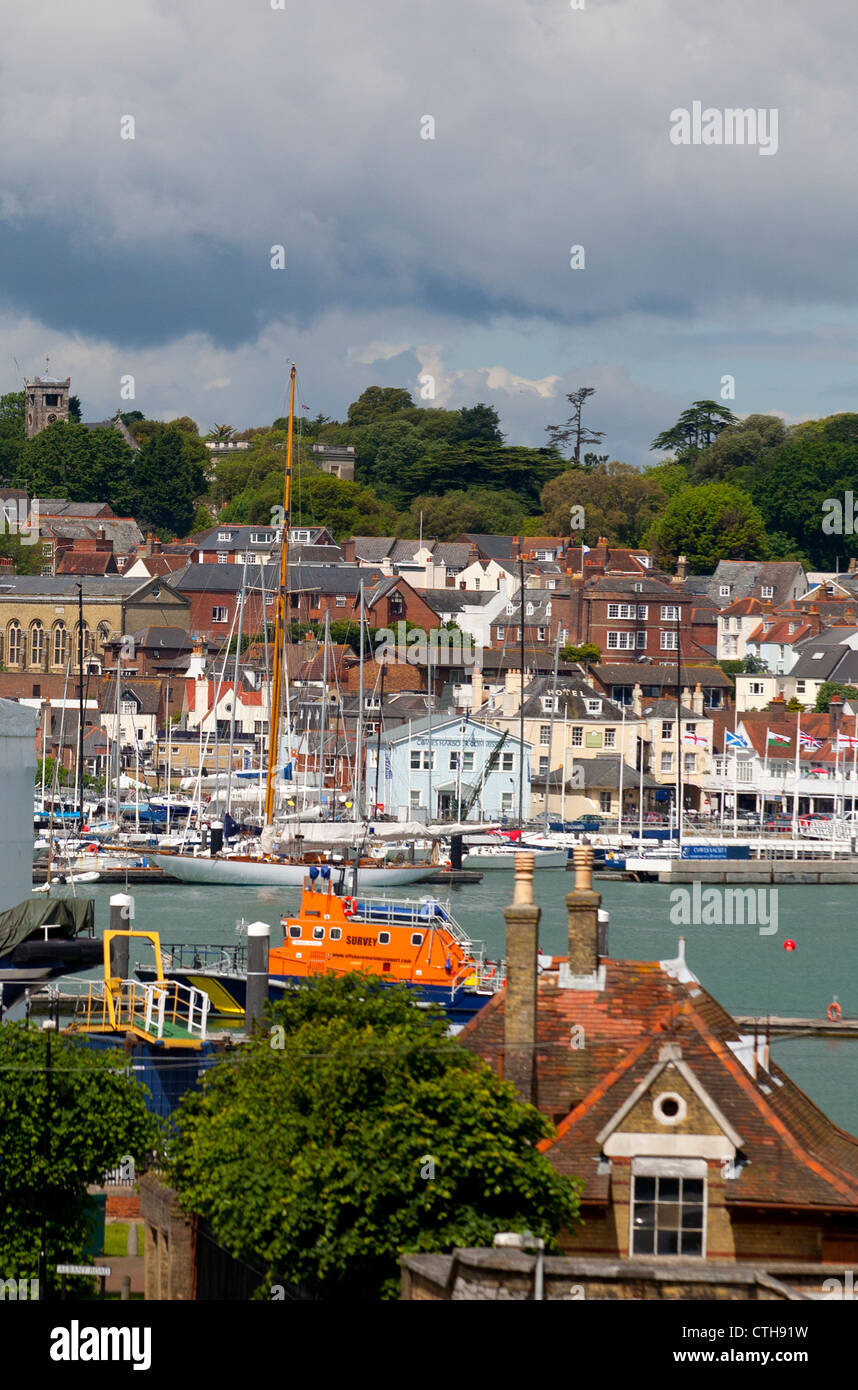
(669, 1108)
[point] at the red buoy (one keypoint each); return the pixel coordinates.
(789, 945)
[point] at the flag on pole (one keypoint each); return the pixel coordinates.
(737, 741)
(388, 767)
(696, 739)
(846, 741)
(585, 549)
(779, 740)
(809, 742)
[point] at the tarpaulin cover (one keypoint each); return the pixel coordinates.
(70, 915)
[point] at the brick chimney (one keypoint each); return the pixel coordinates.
(681, 569)
(149, 548)
(835, 716)
(582, 911)
(516, 547)
(522, 924)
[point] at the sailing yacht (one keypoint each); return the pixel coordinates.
(283, 855)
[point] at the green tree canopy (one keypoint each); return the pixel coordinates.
(478, 424)
(378, 401)
(707, 524)
(479, 509)
(167, 480)
(68, 460)
(816, 465)
(740, 446)
(368, 1133)
(51, 1148)
(695, 429)
(828, 690)
(620, 502)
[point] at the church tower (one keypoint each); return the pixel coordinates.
(46, 401)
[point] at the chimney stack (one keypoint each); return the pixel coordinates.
(835, 716)
(681, 568)
(582, 909)
(522, 924)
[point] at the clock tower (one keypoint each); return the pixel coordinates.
(46, 401)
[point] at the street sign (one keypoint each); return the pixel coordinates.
(101, 1271)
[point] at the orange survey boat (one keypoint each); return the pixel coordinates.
(416, 943)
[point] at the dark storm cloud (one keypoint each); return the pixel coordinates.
(301, 127)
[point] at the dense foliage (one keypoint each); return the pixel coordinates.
(53, 1145)
(356, 1131)
(789, 489)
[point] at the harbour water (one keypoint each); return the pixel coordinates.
(747, 972)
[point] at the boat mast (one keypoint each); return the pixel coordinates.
(551, 728)
(80, 707)
(359, 751)
(323, 712)
(235, 679)
(521, 698)
(280, 622)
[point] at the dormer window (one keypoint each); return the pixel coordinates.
(510, 608)
(593, 706)
(724, 591)
(224, 535)
(529, 610)
(668, 1203)
(639, 588)
(549, 703)
(768, 591)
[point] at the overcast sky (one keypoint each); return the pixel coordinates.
(256, 127)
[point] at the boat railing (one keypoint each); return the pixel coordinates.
(486, 976)
(429, 913)
(162, 1007)
(195, 957)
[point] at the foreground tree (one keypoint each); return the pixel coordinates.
(388, 1136)
(53, 1144)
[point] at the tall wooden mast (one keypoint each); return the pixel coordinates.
(280, 624)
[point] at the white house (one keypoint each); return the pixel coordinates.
(436, 768)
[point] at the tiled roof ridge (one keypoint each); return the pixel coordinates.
(599, 1091)
(739, 1074)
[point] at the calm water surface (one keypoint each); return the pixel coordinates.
(746, 972)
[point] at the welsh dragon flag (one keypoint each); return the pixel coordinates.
(777, 740)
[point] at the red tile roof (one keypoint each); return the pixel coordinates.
(796, 1156)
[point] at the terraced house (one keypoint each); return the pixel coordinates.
(39, 620)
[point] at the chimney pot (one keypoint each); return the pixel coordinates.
(582, 909)
(519, 1002)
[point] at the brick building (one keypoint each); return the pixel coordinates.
(690, 1140)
